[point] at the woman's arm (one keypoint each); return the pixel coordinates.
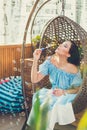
(60, 92)
(72, 91)
(35, 75)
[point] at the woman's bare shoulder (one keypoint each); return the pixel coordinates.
(72, 68)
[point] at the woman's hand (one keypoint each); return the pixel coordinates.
(37, 54)
(58, 92)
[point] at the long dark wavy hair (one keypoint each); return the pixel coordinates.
(74, 54)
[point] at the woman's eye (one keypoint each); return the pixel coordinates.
(65, 46)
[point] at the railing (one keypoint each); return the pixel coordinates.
(10, 56)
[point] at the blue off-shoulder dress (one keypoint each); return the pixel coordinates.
(59, 79)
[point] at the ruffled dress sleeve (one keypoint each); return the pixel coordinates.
(77, 81)
(44, 67)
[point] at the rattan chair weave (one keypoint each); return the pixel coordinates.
(62, 28)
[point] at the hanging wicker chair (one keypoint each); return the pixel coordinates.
(58, 30)
(55, 32)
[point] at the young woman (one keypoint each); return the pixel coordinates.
(65, 77)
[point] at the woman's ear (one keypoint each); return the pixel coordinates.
(68, 55)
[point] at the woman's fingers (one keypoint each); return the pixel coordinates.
(37, 53)
(58, 92)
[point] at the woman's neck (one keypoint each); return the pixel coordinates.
(61, 60)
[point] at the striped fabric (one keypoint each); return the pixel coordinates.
(11, 96)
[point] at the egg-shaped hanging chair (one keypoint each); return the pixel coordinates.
(55, 32)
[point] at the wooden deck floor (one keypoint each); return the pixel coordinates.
(64, 127)
(16, 121)
(12, 121)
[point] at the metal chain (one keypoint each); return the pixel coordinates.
(63, 7)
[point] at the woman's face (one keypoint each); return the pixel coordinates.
(63, 49)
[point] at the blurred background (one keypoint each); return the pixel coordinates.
(14, 15)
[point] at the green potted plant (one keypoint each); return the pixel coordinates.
(36, 42)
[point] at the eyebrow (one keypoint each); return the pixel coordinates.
(66, 44)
